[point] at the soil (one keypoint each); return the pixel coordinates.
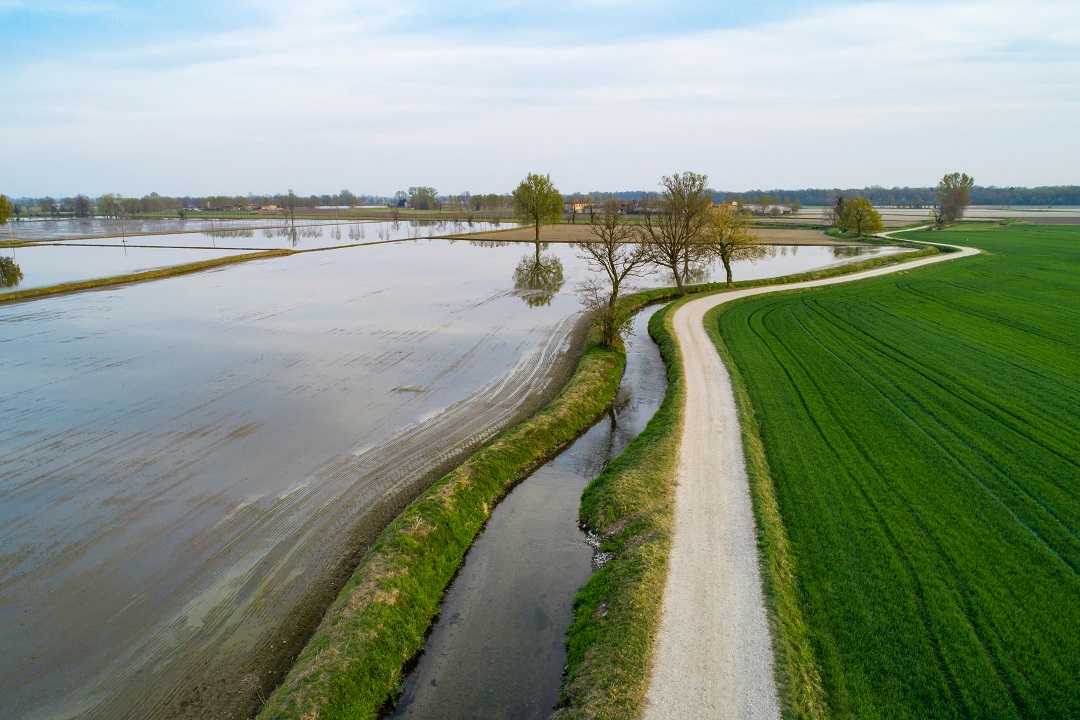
(579, 232)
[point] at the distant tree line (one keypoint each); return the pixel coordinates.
(917, 197)
(771, 202)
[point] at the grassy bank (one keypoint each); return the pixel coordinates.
(609, 644)
(79, 286)
(353, 664)
(797, 673)
(915, 464)
(630, 505)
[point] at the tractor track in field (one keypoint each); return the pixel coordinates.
(713, 655)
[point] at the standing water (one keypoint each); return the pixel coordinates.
(498, 649)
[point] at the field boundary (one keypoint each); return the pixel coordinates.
(630, 506)
(143, 276)
(354, 663)
(797, 674)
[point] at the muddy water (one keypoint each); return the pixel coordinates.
(188, 466)
(498, 648)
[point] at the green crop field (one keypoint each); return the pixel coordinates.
(923, 434)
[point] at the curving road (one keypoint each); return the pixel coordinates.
(713, 656)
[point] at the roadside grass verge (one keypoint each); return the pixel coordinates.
(354, 663)
(630, 505)
(81, 285)
(920, 434)
(797, 673)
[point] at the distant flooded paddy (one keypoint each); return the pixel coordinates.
(50, 262)
(188, 465)
(45, 265)
(137, 230)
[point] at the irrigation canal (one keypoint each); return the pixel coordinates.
(498, 648)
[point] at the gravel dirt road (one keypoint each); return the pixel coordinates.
(714, 653)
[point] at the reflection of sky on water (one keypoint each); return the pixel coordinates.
(44, 265)
(132, 228)
(164, 441)
(73, 260)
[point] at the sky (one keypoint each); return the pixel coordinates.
(236, 97)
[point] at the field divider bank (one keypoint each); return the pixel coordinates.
(355, 661)
(631, 505)
(143, 276)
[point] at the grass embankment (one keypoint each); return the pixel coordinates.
(630, 505)
(921, 434)
(354, 663)
(71, 287)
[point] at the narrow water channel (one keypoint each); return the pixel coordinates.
(498, 647)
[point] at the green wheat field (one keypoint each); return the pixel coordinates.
(923, 434)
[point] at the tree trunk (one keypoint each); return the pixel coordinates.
(678, 279)
(727, 268)
(537, 238)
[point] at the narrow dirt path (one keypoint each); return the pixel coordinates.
(713, 653)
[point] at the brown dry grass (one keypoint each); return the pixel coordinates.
(568, 233)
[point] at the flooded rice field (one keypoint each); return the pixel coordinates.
(189, 467)
(498, 649)
(44, 265)
(49, 262)
(132, 228)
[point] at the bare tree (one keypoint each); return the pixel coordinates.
(674, 224)
(833, 213)
(617, 254)
(728, 237)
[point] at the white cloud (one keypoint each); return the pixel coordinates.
(894, 92)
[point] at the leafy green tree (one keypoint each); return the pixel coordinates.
(674, 224)
(615, 253)
(954, 195)
(10, 272)
(537, 202)
(796, 206)
(728, 237)
(81, 206)
(110, 205)
(422, 198)
(860, 217)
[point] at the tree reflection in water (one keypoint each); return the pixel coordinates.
(538, 277)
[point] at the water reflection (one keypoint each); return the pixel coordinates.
(847, 251)
(231, 233)
(498, 649)
(10, 272)
(538, 277)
